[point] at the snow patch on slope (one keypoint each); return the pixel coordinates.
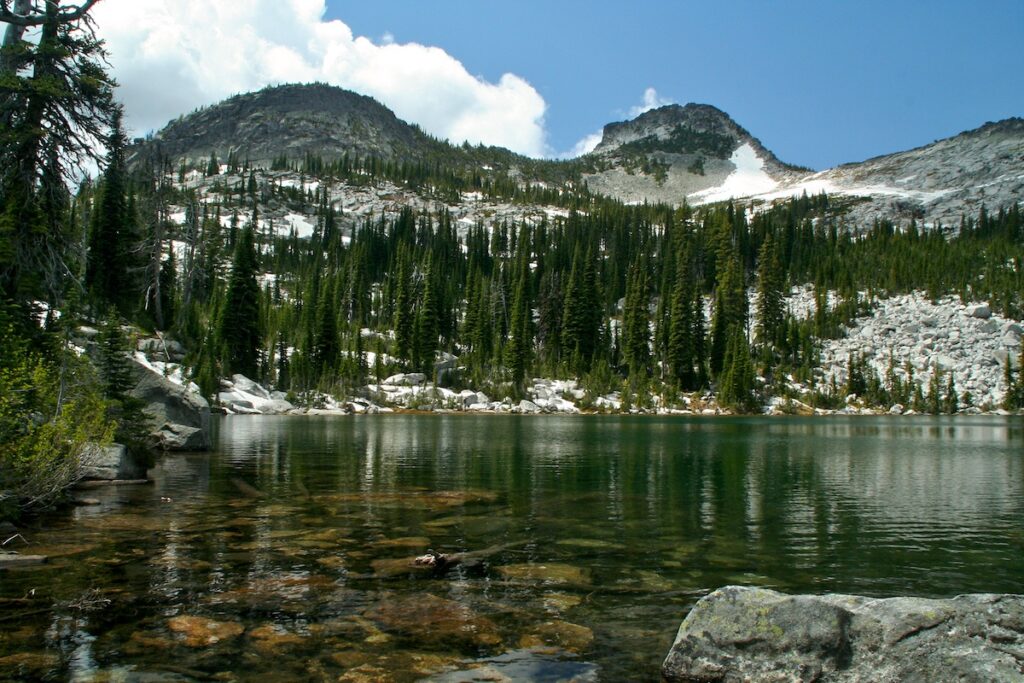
(821, 182)
(749, 178)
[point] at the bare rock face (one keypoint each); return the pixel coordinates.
(179, 418)
(290, 120)
(754, 634)
(110, 463)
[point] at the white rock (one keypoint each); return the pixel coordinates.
(243, 383)
(528, 407)
(981, 311)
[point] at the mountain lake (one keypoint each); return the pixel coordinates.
(564, 548)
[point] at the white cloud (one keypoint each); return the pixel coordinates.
(584, 146)
(651, 101)
(172, 56)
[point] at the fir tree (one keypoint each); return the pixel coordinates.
(426, 328)
(681, 348)
(109, 262)
(327, 343)
(581, 321)
(240, 318)
(518, 351)
(770, 295)
(737, 379)
(636, 325)
(405, 319)
(115, 371)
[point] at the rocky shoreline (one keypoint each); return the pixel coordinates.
(754, 634)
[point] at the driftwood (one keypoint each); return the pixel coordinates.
(99, 483)
(246, 489)
(16, 560)
(433, 563)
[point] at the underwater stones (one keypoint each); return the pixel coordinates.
(269, 638)
(434, 621)
(551, 573)
(561, 602)
(405, 542)
(562, 634)
(202, 632)
(588, 544)
(141, 642)
(331, 562)
(28, 665)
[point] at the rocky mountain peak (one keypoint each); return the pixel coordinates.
(292, 121)
(693, 152)
(663, 128)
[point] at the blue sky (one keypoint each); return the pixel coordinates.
(820, 83)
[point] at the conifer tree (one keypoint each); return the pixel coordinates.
(518, 351)
(681, 348)
(770, 295)
(240, 332)
(636, 324)
(109, 262)
(426, 328)
(327, 343)
(115, 371)
(737, 379)
(405, 319)
(581, 321)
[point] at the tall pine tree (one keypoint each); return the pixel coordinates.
(240, 318)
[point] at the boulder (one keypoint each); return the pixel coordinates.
(111, 462)
(411, 379)
(981, 311)
(171, 407)
(754, 634)
(243, 383)
(528, 407)
(177, 437)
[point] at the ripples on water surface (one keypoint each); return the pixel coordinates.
(284, 555)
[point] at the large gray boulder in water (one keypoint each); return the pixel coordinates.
(179, 418)
(753, 634)
(110, 463)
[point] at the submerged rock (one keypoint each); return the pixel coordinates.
(551, 573)
(203, 632)
(435, 621)
(28, 665)
(561, 634)
(270, 638)
(754, 634)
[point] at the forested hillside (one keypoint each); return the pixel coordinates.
(324, 277)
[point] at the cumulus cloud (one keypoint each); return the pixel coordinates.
(651, 101)
(585, 146)
(172, 56)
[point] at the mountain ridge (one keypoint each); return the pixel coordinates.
(693, 153)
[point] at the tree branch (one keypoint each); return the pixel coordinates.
(36, 19)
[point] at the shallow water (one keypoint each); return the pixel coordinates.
(286, 553)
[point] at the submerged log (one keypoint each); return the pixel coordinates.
(98, 483)
(434, 563)
(246, 489)
(17, 560)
